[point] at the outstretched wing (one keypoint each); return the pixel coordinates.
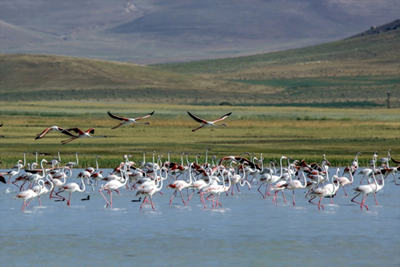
(116, 117)
(42, 133)
(76, 129)
(144, 117)
(1, 125)
(224, 117)
(91, 130)
(65, 131)
(196, 118)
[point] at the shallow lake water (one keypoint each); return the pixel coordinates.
(247, 231)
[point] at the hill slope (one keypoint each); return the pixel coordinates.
(160, 31)
(39, 77)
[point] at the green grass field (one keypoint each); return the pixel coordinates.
(298, 132)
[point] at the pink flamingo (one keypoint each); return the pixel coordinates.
(204, 123)
(71, 187)
(344, 180)
(114, 185)
(12, 172)
(81, 134)
(129, 121)
(296, 184)
(179, 185)
(149, 189)
(54, 129)
(26, 195)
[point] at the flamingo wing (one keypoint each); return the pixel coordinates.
(2, 179)
(144, 117)
(65, 131)
(91, 130)
(224, 117)
(196, 118)
(39, 136)
(117, 117)
(395, 161)
(76, 130)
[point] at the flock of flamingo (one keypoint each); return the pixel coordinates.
(208, 179)
(124, 121)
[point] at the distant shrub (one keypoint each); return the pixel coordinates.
(225, 103)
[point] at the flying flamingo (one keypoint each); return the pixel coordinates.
(129, 121)
(204, 123)
(54, 129)
(81, 134)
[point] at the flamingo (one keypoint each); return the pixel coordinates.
(325, 191)
(114, 185)
(71, 187)
(81, 134)
(204, 123)
(365, 190)
(26, 195)
(216, 189)
(179, 185)
(12, 172)
(56, 181)
(365, 172)
(129, 121)
(272, 179)
(72, 164)
(149, 190)
(344, 180)
(54, 129)
(296, 184)
(41, 189)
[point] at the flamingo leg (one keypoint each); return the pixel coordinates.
(294, 202)
(152, 204)
(23, 206)
(68, 140)
(141, 206)
(283, 194)
(344, 191)
(376, 201)
(115, 127)
(170, 201)
(363, 201)
(110, 198)
(69, 199)
(182, 198)
(319, 204)
(104, 196)
(260, 191)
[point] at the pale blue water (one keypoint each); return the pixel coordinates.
(247, 231)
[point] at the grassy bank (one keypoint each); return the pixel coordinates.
(298, 132)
